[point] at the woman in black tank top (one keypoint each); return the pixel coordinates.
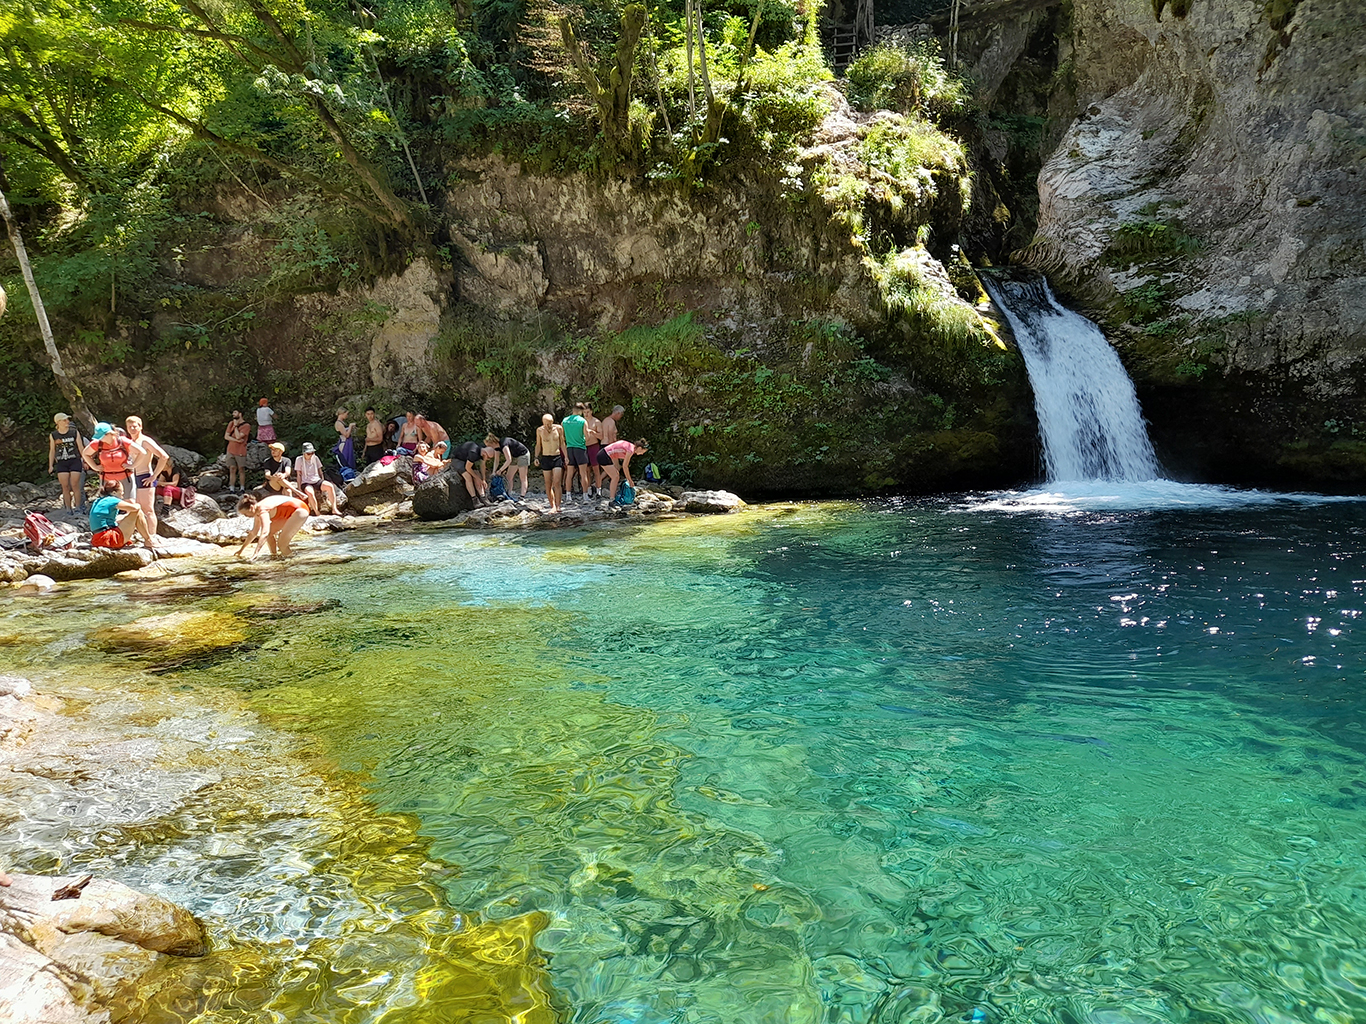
(64, 446)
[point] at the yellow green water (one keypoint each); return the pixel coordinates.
(887, 763)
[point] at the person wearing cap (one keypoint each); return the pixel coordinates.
(64, 444)
(277, 469)
(110, 454)
(309, 470)
(265, 422)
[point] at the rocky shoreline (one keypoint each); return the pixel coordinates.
(381, 494)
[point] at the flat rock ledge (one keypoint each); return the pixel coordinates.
(82, 562)
(534, 514)
(62, 960)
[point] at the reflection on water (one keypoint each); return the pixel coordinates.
(913, 761)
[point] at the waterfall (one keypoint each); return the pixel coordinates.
(1089, 417)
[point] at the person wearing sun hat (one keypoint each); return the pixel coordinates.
(64, 444)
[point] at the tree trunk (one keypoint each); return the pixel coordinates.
(70, 391)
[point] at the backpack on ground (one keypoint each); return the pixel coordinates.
(498, 488)
(626, 496)
(652, 473)
(39, 531)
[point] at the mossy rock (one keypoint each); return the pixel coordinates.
(1342, 460)
(176, 635)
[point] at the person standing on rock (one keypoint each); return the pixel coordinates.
(275, 521)
(108, 514)
(575, 429)
(265, 422)
(550, 457)
(592, 433)
(309, 470)
(344, 448)
(64, 444)
(237, 435)
(516, 459)
(607, 428)
(374, 437)
(146, 468)
(467, 460)
(110, 454)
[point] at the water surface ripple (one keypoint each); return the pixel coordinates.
(894, 762)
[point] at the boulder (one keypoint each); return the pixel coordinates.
(709, 501)
(379, 477)
(174, 521)
(209, 483)
(230, 530)
(186, 461)
(15, 686)
(441, 497)
(62, 959)
(383, 502)
(257, 453)
(36, 584)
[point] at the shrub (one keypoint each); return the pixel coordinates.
(906, 79)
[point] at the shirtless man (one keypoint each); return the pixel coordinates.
(431, 431)
(550, 456)
(592, 432)
(147, 465)
(374, 437)
(408, 433)
(607, 427)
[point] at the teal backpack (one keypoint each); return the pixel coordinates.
(626, 496)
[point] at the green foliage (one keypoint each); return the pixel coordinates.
(907, 79)
(1147, 240)
(677, 344)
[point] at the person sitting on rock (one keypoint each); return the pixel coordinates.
(467, 460)
(427, 463)
(278, 468)
(616, 459)
(168, 484)
(275, 521)
(108, 514)
(311, 480)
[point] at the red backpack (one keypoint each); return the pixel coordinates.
(39, 531)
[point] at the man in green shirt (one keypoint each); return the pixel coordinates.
(576, 450)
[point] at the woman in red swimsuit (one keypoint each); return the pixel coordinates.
(275, 520)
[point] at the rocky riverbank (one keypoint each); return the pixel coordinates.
(184, 805)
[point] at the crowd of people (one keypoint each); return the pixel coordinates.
(580, 455)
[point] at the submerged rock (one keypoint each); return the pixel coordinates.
(61, 959)
(175, 635)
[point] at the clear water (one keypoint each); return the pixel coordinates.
(1089, 417)
(1035, 759)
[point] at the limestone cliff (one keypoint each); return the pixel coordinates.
(1208, 204)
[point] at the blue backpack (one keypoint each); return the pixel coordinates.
(652, 473)
(497, 489)
(626, 495)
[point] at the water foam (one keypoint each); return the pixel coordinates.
(1089, 417)
(1078, 497)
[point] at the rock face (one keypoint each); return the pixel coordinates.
(185, 460)
(62, 958)
(443, 496)
(173, 523)
(1210, 204)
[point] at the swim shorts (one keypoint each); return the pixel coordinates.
(578, 456)
(549, 462)
(67, 466)
(110, 538)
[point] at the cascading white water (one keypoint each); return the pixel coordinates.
(1089, 417)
